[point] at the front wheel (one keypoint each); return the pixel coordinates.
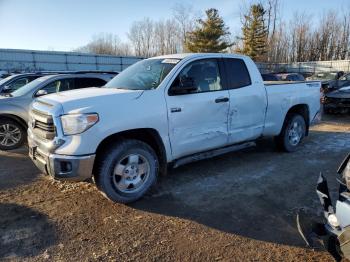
(127, 171)
(292, 134)
(12, 134)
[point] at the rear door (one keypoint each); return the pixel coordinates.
(198, 120)
(247, 102)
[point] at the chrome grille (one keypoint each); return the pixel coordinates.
(43, 125)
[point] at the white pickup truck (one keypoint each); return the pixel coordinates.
(162, 111)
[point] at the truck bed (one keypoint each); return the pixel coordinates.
(282, 95)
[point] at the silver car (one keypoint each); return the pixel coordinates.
(14, 106)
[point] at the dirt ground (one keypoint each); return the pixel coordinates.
(240, 206)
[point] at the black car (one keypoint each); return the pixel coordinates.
(332, 85)
(270, 77)
(13, 82)
(337, 101)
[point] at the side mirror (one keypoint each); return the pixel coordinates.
(41, 93)
(7, 89)
(183, 85)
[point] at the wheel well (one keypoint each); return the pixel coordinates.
(14, 118)
(147, 135)
(302, 110)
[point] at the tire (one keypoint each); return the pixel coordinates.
(126, 171)
(292, 134)
(12, 134)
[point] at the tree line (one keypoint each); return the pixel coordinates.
(265, 35)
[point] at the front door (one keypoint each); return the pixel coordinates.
(198, 119)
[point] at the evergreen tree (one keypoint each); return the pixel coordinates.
(209, 35)
(255, 33)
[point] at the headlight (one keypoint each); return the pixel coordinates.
(77, 123)
(333, 220)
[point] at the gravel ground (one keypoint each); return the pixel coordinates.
(240, 206)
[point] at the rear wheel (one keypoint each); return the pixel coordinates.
(12, 134)
(127, 171)
(293, 132)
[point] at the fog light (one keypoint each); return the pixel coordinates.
(333, 220)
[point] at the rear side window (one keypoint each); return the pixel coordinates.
(237, 73)
(89, 82)
(18, 83)
(59, 86)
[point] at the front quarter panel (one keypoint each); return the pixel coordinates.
(117, 114)
(15, 106)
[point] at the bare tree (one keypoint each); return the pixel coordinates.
(184, 16)
(141, 36)
(107, 44)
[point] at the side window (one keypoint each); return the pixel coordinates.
(59, 86)
(18, 83)
(89, 82)
(203, 75)
(237, 72)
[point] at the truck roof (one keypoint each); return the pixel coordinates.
(194, 55)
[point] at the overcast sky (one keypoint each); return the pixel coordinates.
(62, 25)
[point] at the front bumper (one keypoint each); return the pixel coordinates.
(341, 104)
(342, 213)
(69, 168)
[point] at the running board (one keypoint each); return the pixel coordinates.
(211, 153)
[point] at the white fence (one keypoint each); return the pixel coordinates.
(307, 67)
(12, 60)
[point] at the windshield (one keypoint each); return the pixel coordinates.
(143, 75)
(28, 87)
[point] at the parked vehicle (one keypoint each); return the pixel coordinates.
(14, 106)
(337, 101)
(291, 77)
(14, 82)
(326, 76)
(167, 110)
(332, 85)
(334, 231)
(4, 74)
(270, 77)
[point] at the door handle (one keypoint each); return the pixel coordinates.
(222, 100)
(175, 109)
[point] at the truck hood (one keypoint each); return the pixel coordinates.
(88, 99)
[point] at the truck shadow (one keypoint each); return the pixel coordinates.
(254, 193)
(16, 168)
(24, 232)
